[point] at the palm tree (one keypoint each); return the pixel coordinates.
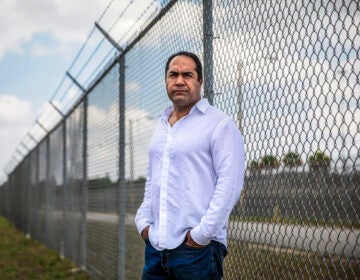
(292, 159)
(269, 162)
(319, 164)
(254, 168)
(253, 165)
(319, 161)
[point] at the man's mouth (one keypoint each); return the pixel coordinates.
(179, 91)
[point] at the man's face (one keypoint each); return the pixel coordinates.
(182, 85)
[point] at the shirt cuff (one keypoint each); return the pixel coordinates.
(141, 225)
(198, 237)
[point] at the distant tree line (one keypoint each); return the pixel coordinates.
(318, 160)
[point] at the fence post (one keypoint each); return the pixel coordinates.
(47, 191)
(208, 50)
(64, 242)
(121, 199)
(84, 190)
(36, 202)
(30, 192)
(26, 182)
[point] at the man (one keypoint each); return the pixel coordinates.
(195, 176)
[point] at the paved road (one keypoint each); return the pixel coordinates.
(343, 242)
(317, 239)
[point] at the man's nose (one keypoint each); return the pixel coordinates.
(179, 80)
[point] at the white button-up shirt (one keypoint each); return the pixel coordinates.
(195, 176)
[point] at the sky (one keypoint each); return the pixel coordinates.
(39, 41)
(41, 38)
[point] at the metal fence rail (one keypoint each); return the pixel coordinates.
(286, 71)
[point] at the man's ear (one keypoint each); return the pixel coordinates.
(201, 82)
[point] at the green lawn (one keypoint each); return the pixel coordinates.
(22, 258)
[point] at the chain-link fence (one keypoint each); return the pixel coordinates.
(288, 74)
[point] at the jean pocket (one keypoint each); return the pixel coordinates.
(196, 248)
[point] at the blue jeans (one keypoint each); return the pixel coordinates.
(184, 262)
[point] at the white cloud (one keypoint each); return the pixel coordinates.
(13, 110)
(38, 28)
(63, 24)
(66, 22)
(15, 118)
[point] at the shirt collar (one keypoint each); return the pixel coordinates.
(202, 105)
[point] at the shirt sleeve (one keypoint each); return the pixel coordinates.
(227, 148)
(144, 215)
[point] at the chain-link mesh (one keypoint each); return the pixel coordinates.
(73, 193)
(287, 72)
(55, 190)
(291, 82)
(15, 208)
(103, 161)
(41, 190)
(32, 193)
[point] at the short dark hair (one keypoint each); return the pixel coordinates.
(194, 57)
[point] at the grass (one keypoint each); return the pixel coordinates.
(22, 258)
(256, 261)
(134, 254)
